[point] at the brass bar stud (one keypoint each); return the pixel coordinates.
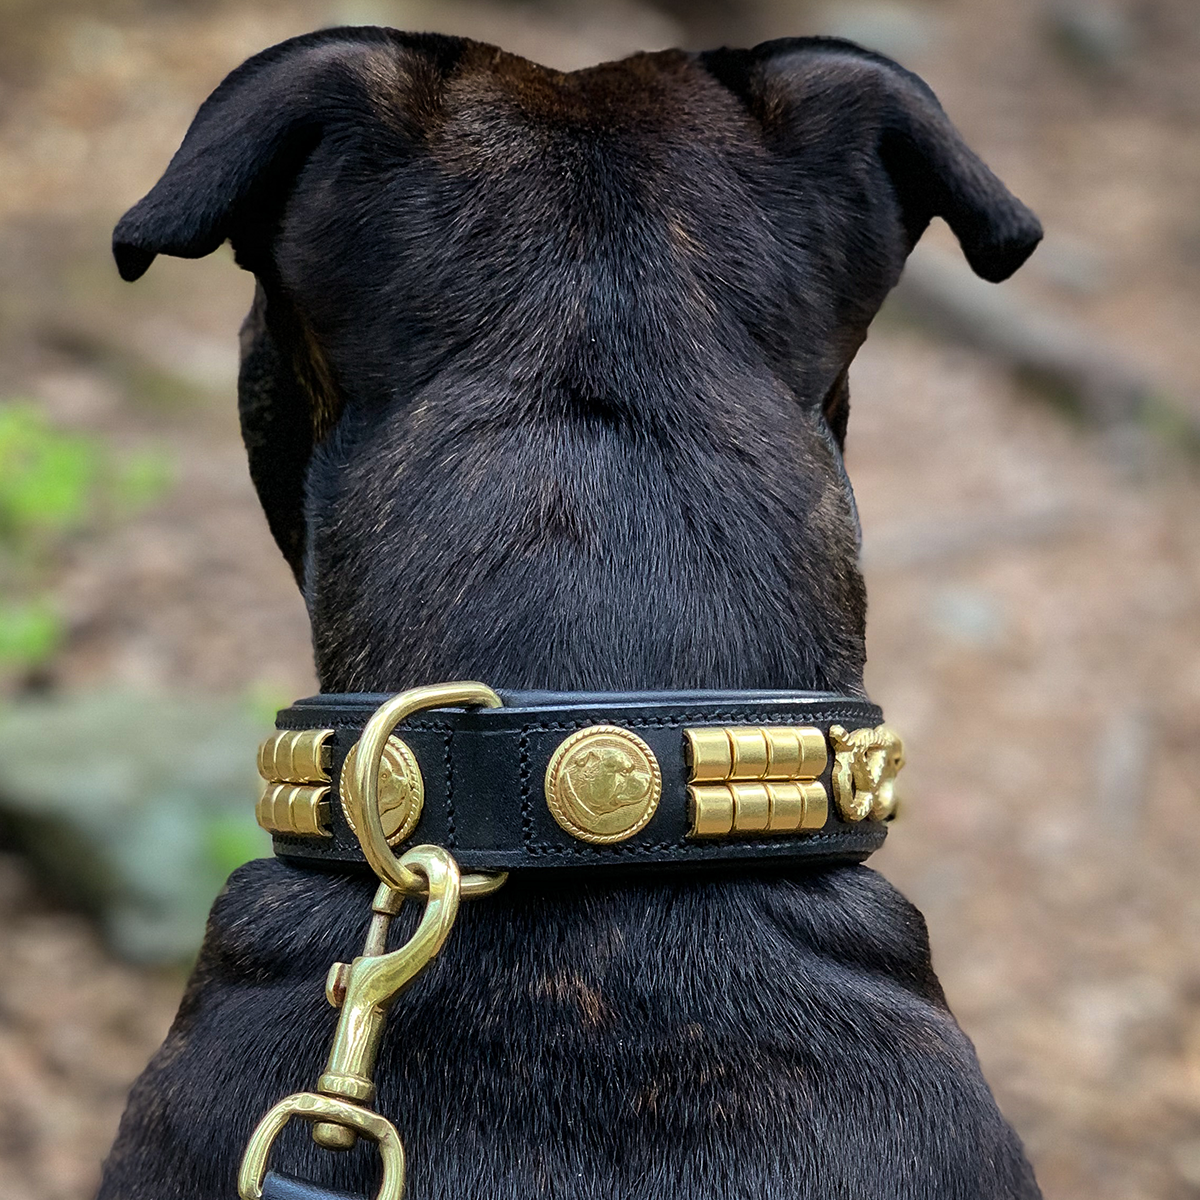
(816, 806)
(712, 810)
(787, 807)
(783, 752)
(814, 753)
(750, 757)
(709, 754)
(751, 808)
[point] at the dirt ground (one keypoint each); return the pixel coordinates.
(1035, 585)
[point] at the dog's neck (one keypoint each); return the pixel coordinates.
(449, 537)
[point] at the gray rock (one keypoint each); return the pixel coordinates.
(136, 807)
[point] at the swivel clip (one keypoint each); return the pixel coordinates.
(364, 990)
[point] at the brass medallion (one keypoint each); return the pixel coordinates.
(401, 790)
(603, 784)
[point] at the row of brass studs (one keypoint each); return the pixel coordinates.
(296, 756)
(721, 809)
(756, 779)
(295, 764)
(294, 808)
(721, 754)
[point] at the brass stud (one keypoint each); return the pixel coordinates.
(816, 805)
(784, 753)
(710, 754)
(750, 757)
(787, 806)
(814, 752)
(752, 808)
(711, 810)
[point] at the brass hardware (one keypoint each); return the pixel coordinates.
(784, 752)
(364, 990)
(712, 808)
(401, 790)
(295, 764)
(721, 809)
(747, 780)
(710, 754)
(294, 808)
(603, 784)
(866, 763)
(296, 756)
(360, 801)
(751, 808)
(750, 758)
(310, 1107)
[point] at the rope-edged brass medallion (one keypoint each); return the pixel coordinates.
(401, 790)
(603, 784)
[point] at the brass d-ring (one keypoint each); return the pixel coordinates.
(308, 1106)
(362, 800)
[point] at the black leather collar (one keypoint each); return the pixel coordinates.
(485, 793)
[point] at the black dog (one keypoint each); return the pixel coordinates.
(545, 385)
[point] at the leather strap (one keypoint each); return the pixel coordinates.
(284, 1187)
(484, 774)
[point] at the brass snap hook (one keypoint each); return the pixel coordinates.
(364, 990)
(367, 987)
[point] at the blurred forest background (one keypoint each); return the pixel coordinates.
(1027, 461)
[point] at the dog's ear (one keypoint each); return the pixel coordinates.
(824, 90)
(231, 179)
(252, 136)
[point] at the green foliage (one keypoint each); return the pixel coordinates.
(46, 477)
(232, 839)
(55, 485)
(30, 633)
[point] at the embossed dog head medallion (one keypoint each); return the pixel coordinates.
(603, 784)
(401, 790)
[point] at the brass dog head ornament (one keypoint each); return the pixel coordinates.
(866, 763)
(607, 778)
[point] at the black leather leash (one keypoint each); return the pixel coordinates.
(284, 1187)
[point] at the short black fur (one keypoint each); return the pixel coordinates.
(545, 384)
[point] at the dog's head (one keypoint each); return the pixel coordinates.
(545, 379)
